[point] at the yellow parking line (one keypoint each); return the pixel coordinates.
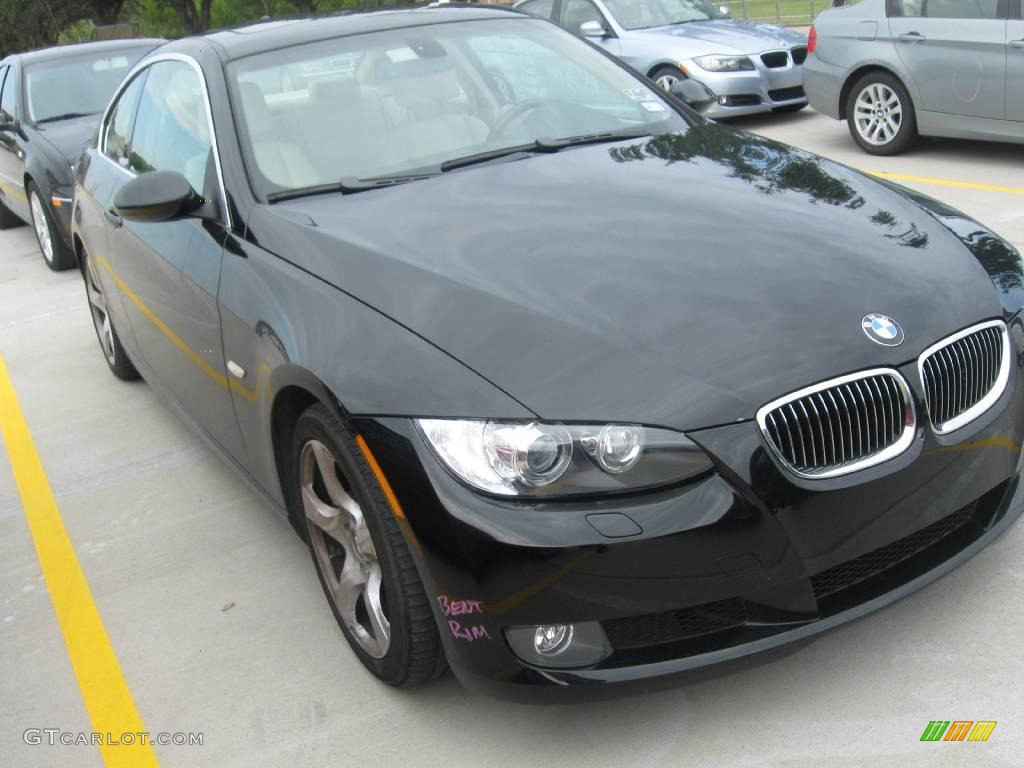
(948, 182)
(104, 690)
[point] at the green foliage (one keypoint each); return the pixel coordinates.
(29, 24)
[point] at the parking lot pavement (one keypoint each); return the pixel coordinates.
(219, 626)
(985, 180)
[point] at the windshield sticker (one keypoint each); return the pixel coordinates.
(653, 106)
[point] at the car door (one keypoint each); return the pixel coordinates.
(168, 273)
(1015, 64)
(12, 153)
(955, 51)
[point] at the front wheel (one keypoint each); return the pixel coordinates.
(665, 77)
(56, 253)
(110, 343)
(360, 554)
(881, 115)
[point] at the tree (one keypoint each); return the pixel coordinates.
(194, 14)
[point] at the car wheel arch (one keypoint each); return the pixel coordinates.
(666, 63)
(294, 389)
(858, 73)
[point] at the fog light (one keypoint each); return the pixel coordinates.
(552, 640)
(559, 645)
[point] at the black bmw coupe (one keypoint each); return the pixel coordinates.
(50, 103)
(563, 384)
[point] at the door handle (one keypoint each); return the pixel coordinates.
(911, 37)
(113, 217)
(1017, 43)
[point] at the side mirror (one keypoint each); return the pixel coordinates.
(157, 196)
(692, 93)
(593, 29)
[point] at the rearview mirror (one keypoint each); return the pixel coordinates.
(157, 196)
(593, 29)
(692, 93)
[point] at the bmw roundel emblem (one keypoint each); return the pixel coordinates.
(883, 330)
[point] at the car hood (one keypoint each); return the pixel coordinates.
(682, 280)
(725, 36)
(69, 137)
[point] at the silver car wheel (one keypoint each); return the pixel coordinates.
(665, 82)
(41, 226)
(100, 315)
(878, 114)
(344, 550)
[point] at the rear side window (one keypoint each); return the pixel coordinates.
(119, 126)
(9, 97)
(946, 9)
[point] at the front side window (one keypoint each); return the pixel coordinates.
(420, 97)
(575, 13)
(9, 95)
(65, 88)
(172, 127)
(119, 124)
(543, 8)
(645, 14)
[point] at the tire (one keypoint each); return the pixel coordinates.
(106, 334)
(369, 542)
(56, 253)
(665, 77)
(890, 131)
(7, 219)
(790, 108)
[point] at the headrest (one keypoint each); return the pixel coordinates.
(427, 88)
(338, 91)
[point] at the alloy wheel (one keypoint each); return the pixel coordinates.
(41, 226)
(878, 114)
(344, 550)
(100, 315)
(665, 82)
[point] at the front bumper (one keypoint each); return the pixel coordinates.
(750, 92)
(739, 562)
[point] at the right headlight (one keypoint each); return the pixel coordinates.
(548, 459)
(718, 63)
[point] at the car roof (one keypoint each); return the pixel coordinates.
(255, 38)
(78, 49)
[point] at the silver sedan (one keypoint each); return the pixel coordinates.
(901, 69)
(749, 67)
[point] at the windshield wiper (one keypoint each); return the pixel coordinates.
(65, 116)
(347, 186)
(543, 145)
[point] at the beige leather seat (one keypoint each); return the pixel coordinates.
(434, 126)
(282, 163)
(346, 127)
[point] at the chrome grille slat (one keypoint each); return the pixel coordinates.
(842, 425)
(965, 374)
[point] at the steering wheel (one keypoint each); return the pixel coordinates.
(517, 112)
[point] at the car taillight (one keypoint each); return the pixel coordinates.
(812, 39)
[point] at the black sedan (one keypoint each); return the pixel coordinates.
(563, 384)
(50, 103)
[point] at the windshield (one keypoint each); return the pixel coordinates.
(643, 14)
(419, 99)
(77, 85)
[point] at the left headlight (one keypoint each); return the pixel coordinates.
(547, 459)
(716, 63)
